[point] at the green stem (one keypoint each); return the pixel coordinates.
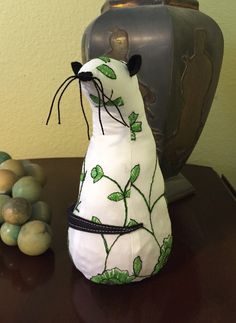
(109, 250)
(105, 243)
(156, 202)
(141, 193)
(126, 211)
(125, 203)
(152, 232)
(82, 184)
(154, 173)
(150, 213)
(123, 192)
(115, 182)
(149, 231)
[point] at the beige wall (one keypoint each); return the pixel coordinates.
(39, 39)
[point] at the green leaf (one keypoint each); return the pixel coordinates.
(137, 126)
(134, 174)
(116, 196)
(133, 136)
(164, 254)
(96, 220)
(133, 117)
(94, 98)
(117, 102)
(107, 71)
(109, 103)
(105, 59)
(127, 193)
(83, 176)
(137, 266)
(113, 276)
(97, 173)
(132, 223)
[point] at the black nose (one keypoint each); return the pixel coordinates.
(85, 76)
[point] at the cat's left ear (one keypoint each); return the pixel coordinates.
(76, 66)
(134, 64)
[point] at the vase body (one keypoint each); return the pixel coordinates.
(182, 51)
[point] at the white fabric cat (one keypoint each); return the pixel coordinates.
(121, 182)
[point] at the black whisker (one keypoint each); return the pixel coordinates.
(82, 106)
(54, 98)
(101, 100)
(111, 94)
(60, 97)
(104, 103)
(99, 106)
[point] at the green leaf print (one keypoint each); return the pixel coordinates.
(94, 98)
(105, 59)
(134, 174)
(133, 117)
(116, 102)
(164, 254)
(137, 266)
(116, 197)
(96, 220)
(107, 71)
(136, 127)
(133, 136)
(127, 193)
(113, 276)
(132, 223)
(97, 173)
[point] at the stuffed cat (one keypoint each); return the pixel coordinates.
(119, 229)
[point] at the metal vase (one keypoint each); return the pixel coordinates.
(182, 51)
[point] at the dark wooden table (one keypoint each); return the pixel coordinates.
(198, 284)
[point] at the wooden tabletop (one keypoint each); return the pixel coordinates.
(197, 285)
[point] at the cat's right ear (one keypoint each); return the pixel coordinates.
(76, 66)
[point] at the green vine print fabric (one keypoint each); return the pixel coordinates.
(120, 184)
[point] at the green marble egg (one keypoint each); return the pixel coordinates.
(28, 188)
(16, 211)
(7, 180)
(3, 200)
(37, 172)
(15, 166)
(9, 233)
(4, 156)
(34, 238)
(41, 211)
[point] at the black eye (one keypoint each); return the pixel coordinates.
(76, 66)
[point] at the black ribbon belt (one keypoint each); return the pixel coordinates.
(81, 224)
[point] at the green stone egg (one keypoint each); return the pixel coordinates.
(16, 211)
(9, 233)
(7, 180)
(41, 211)
(15, 166)
(3, 200)
(4, 156)
(37, 172)
(34, 238)
(28, 188)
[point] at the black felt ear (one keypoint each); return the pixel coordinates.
(134, 64)
(76, 66)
